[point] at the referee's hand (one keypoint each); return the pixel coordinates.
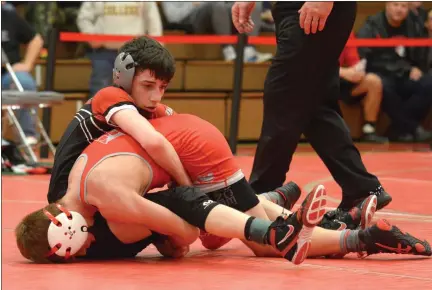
(241, 15)
(313, 16)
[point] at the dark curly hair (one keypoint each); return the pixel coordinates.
(150, 54)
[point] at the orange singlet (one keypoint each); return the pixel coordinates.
(202, 148)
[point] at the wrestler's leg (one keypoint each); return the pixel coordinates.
(324, 242)
(241, 197)
(289, 236)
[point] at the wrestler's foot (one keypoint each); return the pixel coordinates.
(290, 192)
(386, 238)
(359, 216)
(212, 242)
(291, 236)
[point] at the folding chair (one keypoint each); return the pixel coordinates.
(12, 100)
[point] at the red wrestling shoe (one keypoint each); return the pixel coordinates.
(212, 242)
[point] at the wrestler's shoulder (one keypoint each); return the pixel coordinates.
(163, 110)
(108, 98)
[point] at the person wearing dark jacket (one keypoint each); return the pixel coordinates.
(407, 90)
(418, 14)
(428, 25)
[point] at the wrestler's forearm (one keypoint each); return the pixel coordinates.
(156, 145)
(166, 157)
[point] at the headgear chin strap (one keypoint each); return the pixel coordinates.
(67, 232)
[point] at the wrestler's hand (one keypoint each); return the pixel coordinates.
(241, 16)
(169, 249)
(313, 16)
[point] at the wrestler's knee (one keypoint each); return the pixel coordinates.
(191, 205)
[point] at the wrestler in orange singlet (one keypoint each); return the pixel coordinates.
(201, 147)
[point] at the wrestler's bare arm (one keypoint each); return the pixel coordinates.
(156, 145)
(121, 205)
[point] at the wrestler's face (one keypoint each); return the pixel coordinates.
(397, 11)
(147, 91)
(83, 250)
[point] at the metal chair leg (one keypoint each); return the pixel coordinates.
(22, 136)
(43, 132)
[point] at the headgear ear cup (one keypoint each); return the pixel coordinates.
(124, 71)
(67, 233)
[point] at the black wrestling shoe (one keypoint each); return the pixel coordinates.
(290, 192)
(383, 199)
(386, 238)
(357, 217)
(291, 236)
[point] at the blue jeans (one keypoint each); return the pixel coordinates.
(23, 115)
(102, 61)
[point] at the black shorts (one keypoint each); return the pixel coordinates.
(346, 88)
(239, 196)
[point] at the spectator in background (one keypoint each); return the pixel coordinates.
(267, 17)
(211, 17)
(358, 86)
(407, 91)
(428, 25)
(418, 13)
(250, 52)
(14, 32)
(204, 17)
(118, 18)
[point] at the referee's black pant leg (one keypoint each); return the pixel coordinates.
(331, 139)
(295, 88)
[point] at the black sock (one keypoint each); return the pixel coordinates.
(274, 197)
(256, 230)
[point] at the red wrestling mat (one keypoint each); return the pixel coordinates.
(406, 175)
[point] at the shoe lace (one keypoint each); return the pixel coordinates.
(378, 191)
(281, 220)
